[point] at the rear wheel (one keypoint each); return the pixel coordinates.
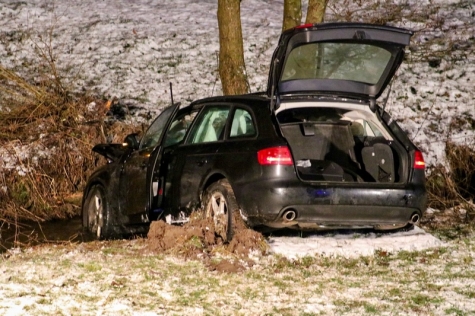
(95, 212)
(220, 203)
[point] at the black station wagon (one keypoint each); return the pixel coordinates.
(314, 151)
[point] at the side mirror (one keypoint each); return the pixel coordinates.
(132, 141)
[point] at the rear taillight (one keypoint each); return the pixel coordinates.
(419, 160)
(275, 156)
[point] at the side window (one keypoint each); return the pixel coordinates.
(357, 128)
(210, 125)
(154, 132)
(178, 128)
(372, 129)
(242, 125)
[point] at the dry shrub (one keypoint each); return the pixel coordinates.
(455, 185)
(462, 165)
(48, 133)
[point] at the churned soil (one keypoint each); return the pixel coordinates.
(197, 240)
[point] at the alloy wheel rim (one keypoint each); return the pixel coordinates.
(96, 214)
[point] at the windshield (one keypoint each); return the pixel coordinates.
(345, 61)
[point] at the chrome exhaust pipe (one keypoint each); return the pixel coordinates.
(289, 215)
(415, 218)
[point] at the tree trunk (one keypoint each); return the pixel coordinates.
(232, 69)
(292, 14)
(316, 11)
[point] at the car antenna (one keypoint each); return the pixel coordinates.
(171, 92)
(171, 95)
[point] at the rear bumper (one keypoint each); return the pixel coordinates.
(345, 216)
(282, 205)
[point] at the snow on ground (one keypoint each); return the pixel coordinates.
(353, 244)
(123, 278)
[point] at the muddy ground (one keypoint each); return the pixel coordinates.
(198, 240)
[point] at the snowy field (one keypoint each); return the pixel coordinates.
(131, 51)
(122, 278)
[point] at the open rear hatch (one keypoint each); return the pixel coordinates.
(350, 62)
(345, 59)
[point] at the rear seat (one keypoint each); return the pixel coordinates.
(331, 141)
(313, 146)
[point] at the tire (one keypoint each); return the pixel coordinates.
(96, 212)
(220, 204)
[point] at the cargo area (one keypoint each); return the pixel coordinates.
(341, 145)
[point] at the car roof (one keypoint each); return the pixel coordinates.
(258, 99)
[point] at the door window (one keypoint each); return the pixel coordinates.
(154, 132)
(178, 128)
(210, 125)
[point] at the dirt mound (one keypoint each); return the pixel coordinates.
(197, 240)
(197, 235)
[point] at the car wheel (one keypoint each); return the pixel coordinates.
(220, 203)
(96, 212)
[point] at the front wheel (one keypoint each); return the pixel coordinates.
(95, 212)
(220, 203)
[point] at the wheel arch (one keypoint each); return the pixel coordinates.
(215, 177)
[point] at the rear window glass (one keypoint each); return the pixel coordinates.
(345, 61)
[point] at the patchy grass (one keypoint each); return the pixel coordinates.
(123, 277)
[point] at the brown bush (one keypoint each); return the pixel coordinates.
(48, 133)
(453, 185)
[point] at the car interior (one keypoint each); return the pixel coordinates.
(329, 145)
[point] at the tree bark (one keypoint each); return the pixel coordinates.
(316, 11)
(292, 14)
(232, 69)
